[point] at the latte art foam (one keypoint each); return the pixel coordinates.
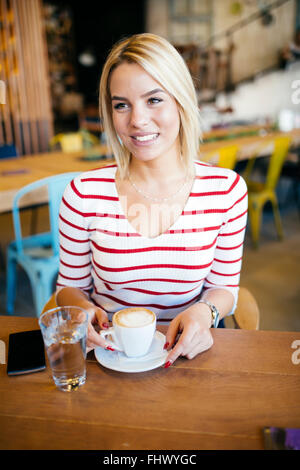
(134, 318)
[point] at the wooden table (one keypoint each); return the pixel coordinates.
(222, 399)
(17, 172)
(249, 146)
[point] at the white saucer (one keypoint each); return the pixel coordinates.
(118, 361)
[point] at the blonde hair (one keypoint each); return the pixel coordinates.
(161, 60)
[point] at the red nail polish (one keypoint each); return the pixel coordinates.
(167, 364)
(110, 348)
(166, 345)
(105, 325)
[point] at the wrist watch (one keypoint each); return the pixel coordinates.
(215, 316)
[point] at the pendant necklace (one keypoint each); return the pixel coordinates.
(156, 199)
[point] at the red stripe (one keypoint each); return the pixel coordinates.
(118, 234)
(192, 230)
(74, 265)
(92, 196)
(217, 193)
(212, 177)
(224, 285)
(106, 180)
(111, 216)
(229, 247)
(161, 307)
(150, 292)
(232, 233)
(72, 239)
(152, 266)
(81, 288)
(108, 286)
(152, 248)
(225, 261)
(113, 165)
(92, 214)
(238, 216)
(83, 214)
(225, 274)
(70, 224)
(74, 278)
(181, 281)
(204, 211)
(73, 253)
(238, 200)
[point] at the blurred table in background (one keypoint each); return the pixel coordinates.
(258, 144)
(17, 172)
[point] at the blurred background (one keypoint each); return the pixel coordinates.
(244, 57)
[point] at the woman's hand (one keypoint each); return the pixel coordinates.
(193, 325)
(97, 321)
(97, 317)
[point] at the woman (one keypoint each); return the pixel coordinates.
(159, 229)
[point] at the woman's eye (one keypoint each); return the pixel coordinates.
(120, 106)
(154, 100)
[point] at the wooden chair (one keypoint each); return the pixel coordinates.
(246, 315)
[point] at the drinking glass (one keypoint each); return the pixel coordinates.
(64, 331)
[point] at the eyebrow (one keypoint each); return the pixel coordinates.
(152, 92)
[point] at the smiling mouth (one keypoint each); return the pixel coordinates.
(145, 138)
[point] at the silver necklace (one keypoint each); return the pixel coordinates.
(156, 199)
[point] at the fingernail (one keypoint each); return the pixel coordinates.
(105, 325)
(167, 364)
(110, 348)
(166, 345)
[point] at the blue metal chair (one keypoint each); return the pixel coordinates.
(8, 151)
(37, 254)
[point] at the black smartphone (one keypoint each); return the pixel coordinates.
(26, 353)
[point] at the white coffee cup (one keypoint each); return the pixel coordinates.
(132, 331)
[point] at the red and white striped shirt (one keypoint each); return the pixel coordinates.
(101, 252)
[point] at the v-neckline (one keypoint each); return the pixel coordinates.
(122, 213)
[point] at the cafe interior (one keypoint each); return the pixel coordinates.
(244, 58)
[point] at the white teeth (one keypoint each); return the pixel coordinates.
(146, 137)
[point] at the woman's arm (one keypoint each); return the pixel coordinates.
(75, 261)
(221, 283)
(194, 325)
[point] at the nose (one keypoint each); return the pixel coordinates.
(139, 116)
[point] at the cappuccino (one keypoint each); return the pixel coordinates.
(135, 317)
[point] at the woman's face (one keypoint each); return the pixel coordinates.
(145, 116)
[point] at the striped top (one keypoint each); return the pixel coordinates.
(101, 252)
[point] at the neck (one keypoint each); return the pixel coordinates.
(160, 170)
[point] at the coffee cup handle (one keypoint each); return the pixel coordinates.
(111, 332)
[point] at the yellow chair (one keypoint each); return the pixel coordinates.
(228, 156)
(260, 193)
(225, 157)
(74, 141)
(246, 315)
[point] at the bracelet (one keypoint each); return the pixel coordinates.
(215, 316)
